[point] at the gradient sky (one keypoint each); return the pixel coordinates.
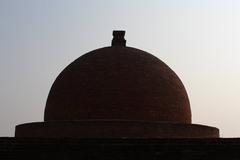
(198, 39)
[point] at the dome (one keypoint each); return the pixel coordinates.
(118, 83)
(117, 92)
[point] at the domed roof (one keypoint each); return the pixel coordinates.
(118, 82)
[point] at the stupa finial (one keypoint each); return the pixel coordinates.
(118, 38)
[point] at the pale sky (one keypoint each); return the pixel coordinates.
(198, 39)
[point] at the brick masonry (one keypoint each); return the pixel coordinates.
(119, 149)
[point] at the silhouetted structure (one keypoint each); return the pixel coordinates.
(118, 102)
(117, 92)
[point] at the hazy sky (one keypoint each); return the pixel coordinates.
(198, 39)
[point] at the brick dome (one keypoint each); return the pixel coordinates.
(117, 92)
(118, 83)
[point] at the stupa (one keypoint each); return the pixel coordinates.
(117, 92)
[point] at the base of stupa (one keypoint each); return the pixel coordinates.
(114, 129)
